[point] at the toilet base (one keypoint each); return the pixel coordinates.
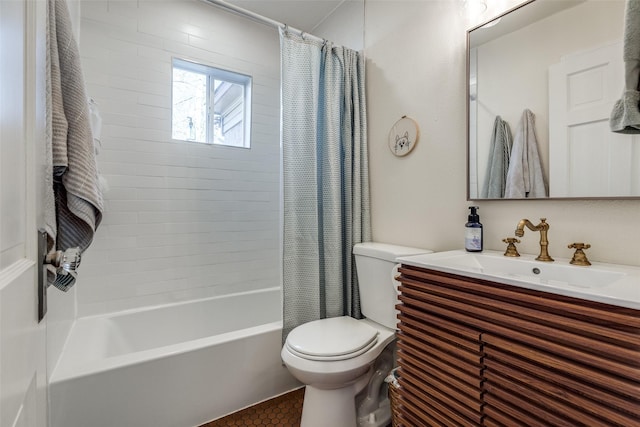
(332, 407)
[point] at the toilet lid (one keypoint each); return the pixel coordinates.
(336, 338)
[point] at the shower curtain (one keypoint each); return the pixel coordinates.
(326, 178)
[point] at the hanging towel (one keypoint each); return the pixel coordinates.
(498, 165)
(525, 178)
(74, 206)
(625, 117)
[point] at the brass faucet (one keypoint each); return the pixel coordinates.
(543, 227)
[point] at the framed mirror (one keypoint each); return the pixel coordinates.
(542, 81)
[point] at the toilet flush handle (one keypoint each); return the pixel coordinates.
(395, 278)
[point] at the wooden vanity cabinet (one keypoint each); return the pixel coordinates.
(477, 353)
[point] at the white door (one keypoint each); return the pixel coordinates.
(585, 157)
(22, 338)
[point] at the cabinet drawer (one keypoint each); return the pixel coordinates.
(438, 327)
(592, 313)
(513, 406)
(546, 384)
(446, 367)
(596, 378)
(443, 381)
(426, 402)
(494, 417)
(559, 379)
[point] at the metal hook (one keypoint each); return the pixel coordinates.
(66, 264)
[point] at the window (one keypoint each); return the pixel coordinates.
(210, 105)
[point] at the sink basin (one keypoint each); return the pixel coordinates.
(610, 283)
(531, 270)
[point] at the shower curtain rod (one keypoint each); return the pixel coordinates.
(259, 18)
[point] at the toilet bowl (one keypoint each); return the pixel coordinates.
(335, 357)
(334, 377)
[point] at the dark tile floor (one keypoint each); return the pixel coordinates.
(281, 411)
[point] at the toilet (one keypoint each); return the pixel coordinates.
(337, 358)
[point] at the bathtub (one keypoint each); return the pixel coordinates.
(177, 365)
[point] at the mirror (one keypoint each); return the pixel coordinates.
(561, 60)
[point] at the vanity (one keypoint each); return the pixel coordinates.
(492, 340)
(486, 340)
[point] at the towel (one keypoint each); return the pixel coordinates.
(76, 211)
(525, 178)
(499, 153)
(625, 117)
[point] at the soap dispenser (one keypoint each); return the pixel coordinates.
(473, 240)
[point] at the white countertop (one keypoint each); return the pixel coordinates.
(601, 282)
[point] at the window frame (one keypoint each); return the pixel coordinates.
(215, 73)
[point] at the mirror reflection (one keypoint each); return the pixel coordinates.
(543, 79)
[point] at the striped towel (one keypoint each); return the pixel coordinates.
(498, 165)
(525, 178)
(73, 217)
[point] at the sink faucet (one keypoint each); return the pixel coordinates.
(543, 227)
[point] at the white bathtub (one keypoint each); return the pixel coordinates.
(177, 365)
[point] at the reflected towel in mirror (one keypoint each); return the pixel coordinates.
(625, 117)
(499, 153)
(525, 178)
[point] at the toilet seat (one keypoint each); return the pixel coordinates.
(337, 338)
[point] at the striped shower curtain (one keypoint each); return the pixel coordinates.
(326, 178)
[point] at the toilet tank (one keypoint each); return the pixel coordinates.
(375, 265)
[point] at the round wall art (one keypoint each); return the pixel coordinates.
(403, 136)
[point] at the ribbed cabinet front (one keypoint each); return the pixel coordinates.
(440, 361)
(478, 353)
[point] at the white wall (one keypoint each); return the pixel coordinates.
(182, 220)
(416, 66)
(345, 26)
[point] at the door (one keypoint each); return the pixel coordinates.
(582, 90)
(22, 120)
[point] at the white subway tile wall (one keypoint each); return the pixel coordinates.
(182, 220)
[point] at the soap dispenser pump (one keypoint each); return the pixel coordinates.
(473, 239)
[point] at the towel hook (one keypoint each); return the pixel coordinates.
(66, 264)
